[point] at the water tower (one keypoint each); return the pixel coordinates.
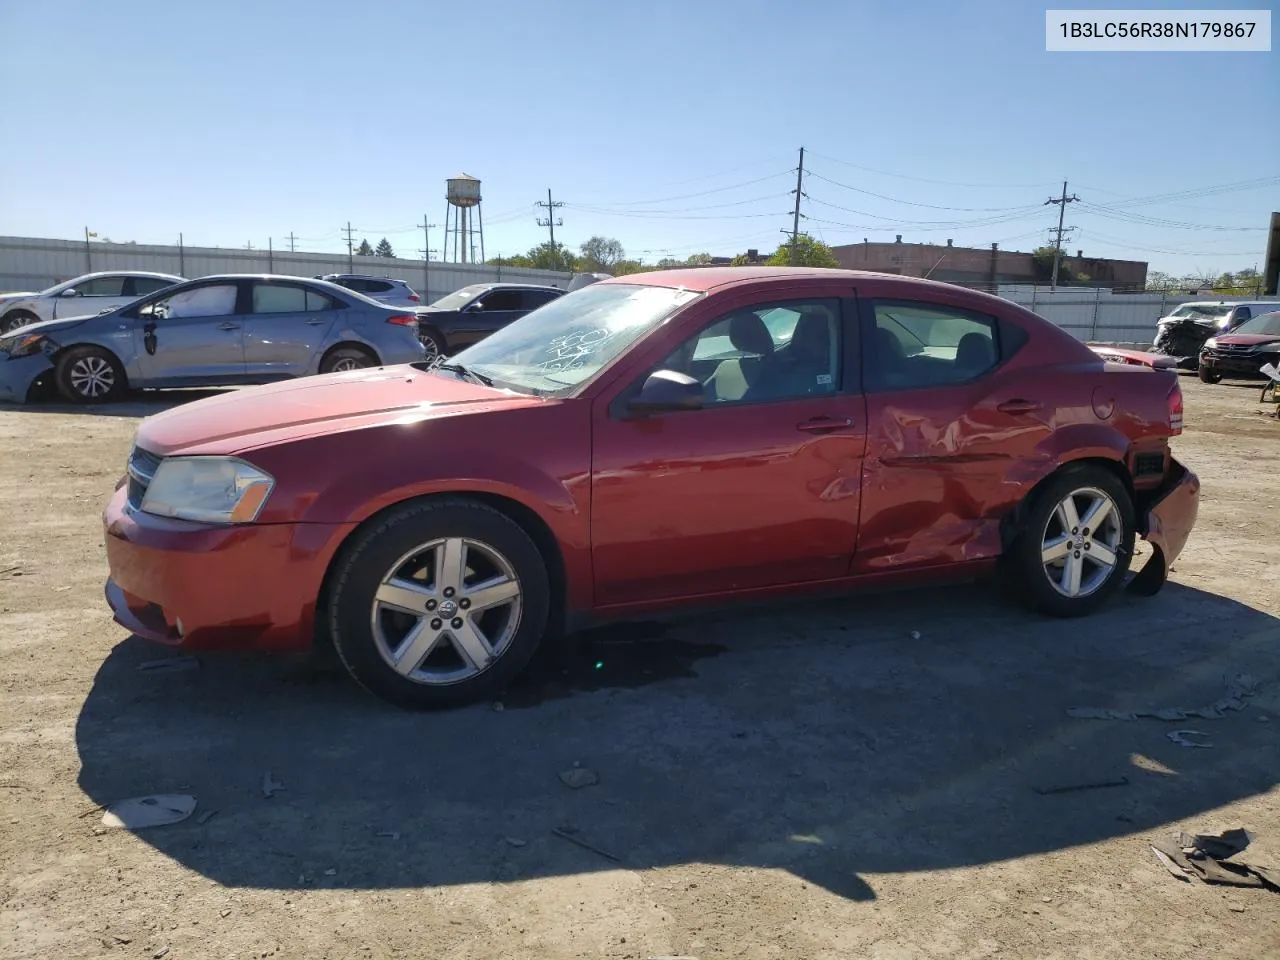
(463, 194)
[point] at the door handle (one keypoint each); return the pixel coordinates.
(824, 424)
(1018, 407)
(228, 326)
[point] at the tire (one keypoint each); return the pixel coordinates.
(1208, 375)
(1046, 586)
(342, 359)
(16, 319)
(90, 375)
(433, 342)
(371, 620)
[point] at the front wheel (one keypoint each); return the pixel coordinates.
(1076, 543)
(344, 359)
(441, 603)
(90, 375)
(1209, 375)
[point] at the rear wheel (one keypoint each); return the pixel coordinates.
(432, 343)
(1209, 375)
(18, 318)
(343, 359)
(90, 375)
(1076, 543)
(439, 604)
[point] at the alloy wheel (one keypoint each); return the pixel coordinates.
(92, 377)
(446, 611)
(347, 364)
(431, 349)
(1081, 542)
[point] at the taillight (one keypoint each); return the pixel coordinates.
(1175, 409)
(403, 319)
(415, 298)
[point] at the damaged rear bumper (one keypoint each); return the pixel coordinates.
(1165, 519)
(18, 376)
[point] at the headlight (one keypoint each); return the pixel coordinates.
(207, 490)
(25, 344)
(1211, 342)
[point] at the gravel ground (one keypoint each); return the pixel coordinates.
(811, 780)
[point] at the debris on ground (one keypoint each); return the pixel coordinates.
(579, 777)
(517, 842)
(11, 571)
(170, 665)
(162, 952)
(1207, 858)
(571, 834)
(157, 810)
(1076, 787)
(1239, 688)
(1180, 738)
(269, 786)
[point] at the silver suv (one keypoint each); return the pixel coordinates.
(397, 293)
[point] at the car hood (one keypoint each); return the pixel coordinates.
(1247, 339)
(10, 297)
(53, 326)
(242, 420)
(1202, 321)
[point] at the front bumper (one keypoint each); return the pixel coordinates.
(1240, 366)
(1166, 518)
(203, 586)
(18, 376)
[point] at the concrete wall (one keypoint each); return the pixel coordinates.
(1099, 314)
(28, 263)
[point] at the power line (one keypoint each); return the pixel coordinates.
(945, 183)
(912, 203)
(701, 193)
(795, 222)
(1123, 216)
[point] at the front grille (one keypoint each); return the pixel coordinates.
(142, 468)
(1232, 348)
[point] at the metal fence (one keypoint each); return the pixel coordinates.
(34, 264)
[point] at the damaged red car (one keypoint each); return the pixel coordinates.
(647, 442)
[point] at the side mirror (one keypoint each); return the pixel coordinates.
(73, 292)
(475, 307)
(667, 390)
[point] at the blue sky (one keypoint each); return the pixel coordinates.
(673, 127)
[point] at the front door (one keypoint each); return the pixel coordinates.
(759, 487)
(92, 297)
(285, 330)
(949, 432)
(487, 314)
(194, 336)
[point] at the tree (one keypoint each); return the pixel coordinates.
(384, 249)
(600, 254)
(1162, 282)
(698, 259)
(1042, 266)
(548, 257)
(364, 250)
(519, 260)
(808, 253)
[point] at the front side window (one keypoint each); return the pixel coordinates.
(101, 287)
(215, 300)
(758, 354)
(554, 350)
(1266, 323)
(460, 298)
(918, 345)
(502, 300)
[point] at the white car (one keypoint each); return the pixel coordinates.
(84, 296)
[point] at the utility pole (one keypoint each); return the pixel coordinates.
(88, 252)
(292, 238)
(271, 256)
(351, 268)
(1057, 239)
(426, 255)
(795, 222)
(182, 258)
(551, 222)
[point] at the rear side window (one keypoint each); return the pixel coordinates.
(286, 298)
(917, 345)
(377, 286)
(503, 300)
(533, 299)
(143, 286)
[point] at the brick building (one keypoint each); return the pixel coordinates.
(986, 267)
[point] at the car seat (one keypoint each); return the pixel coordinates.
(735, 378)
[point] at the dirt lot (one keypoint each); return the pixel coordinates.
(806, 781)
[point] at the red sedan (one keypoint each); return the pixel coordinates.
(648, 441)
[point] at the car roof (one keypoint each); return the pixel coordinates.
(127, 273)
(358, 276)
(514, 286)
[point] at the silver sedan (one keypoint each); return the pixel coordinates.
(215, 331)
(83, 296)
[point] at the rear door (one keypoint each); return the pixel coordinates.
(192, 337)
(286, 329)
(488, 313)
(949, 430)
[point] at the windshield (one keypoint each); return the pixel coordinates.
(1267, 323)
(1197, 311)
(460, 298)
(559, 346)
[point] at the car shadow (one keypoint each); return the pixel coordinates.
(837, 740)
(138, 403)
